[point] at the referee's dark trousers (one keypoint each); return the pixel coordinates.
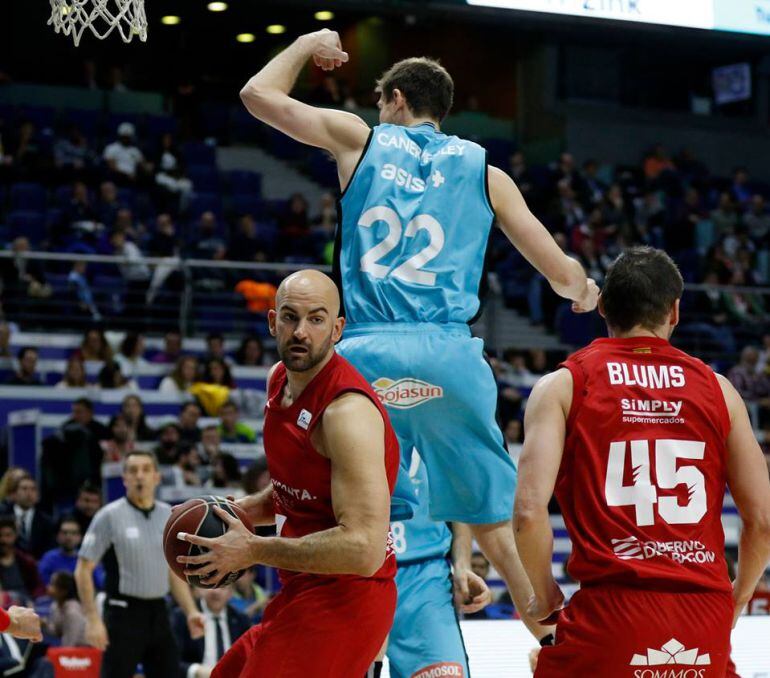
(139, 632)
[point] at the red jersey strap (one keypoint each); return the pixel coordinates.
(578, 389)
(5, 620)
(345, 389)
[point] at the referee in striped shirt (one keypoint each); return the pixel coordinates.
(127, 536)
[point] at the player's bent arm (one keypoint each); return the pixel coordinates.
(352, 436)
(462, 545)
(749, 484)
(266, 96)
(545, 429)
(565, 275)
(259, 507)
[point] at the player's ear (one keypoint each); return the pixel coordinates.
(674, 317)
(600, 306)
(339, 327)
(398, 99)
(271, 316)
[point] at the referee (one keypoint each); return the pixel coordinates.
(127, 536)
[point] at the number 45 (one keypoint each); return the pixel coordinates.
(643, 494)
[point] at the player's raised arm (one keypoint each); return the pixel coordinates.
(545, 427)
(565, 275)
(266, 96)
(749, 484)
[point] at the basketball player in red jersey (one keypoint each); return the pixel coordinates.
(333, 460)
(639, 441)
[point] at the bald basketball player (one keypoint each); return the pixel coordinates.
(333, 459)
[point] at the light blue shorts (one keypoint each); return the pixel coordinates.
(441, 396)
(425, 631)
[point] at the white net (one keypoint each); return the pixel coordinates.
(73, 17)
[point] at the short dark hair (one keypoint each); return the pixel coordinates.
(8, 521)
(229, 403)
(424, 82)
(141, 453)
(190, 403)
(640, 289)
(68, 519)
(23, 351)
(85, 402)
(215, 335)
(89, 487)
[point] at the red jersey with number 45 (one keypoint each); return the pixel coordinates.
(301, 477)
(643, 476)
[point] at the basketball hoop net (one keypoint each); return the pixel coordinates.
(72, 17)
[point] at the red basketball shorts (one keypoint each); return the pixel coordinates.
(616, 632)
(315, 628)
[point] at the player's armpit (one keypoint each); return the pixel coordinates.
(352, 436)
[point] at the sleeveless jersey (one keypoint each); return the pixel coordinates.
(643, 476)
(413, 228)
(420, 538)
(301, 477)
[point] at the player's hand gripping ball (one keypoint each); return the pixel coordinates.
(197, 516)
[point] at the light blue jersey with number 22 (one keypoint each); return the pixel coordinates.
(414, 227)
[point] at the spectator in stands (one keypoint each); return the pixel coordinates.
(74, 374)
(216, 371)
(209, 245)
(249, 597)
(657, 162)
(169, 439)
(209, 446)
(64, 557)
(184, 471)
(22, 277)
(27, 153)
(753, 387)
(94, 346)
(132, 408)
(121, 440)
(517, 168)
(215, 348)
(757, 220)
(508, 397)
(741, 190)
(182, 376)
(111, 377)
(681, 233)
(225, 473)
(231, 430)
(189, 416)
(251, 352)
(564, 172)
(725, 216)
(81, 290)
(130, 358)
(18, 571)
(87, 503)
(135, 271)
(123, 158)
(108, 205)
(173, 186)
(125, 222)
(80, 219)
(83, 416)
(66, 620)
(5, 340)
(164, 241)
(172, 348)
(8, 484)
(294, 229)
(742, 307)
(247, 244)
(593, 187)
(224, 625)
(72, 155)
(256, 477)
(26, 374)
(35, 529)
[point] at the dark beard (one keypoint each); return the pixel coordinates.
(304, 361)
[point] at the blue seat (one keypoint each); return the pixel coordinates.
(205, 178)
(198, 153)
(158, 125)
(41, 116)
(215, 119)
(29, 224)
(249, 204)
(204, 202)
(28, 196)
(323, 169)
(88, 122)
(108, 292)
(242, 182)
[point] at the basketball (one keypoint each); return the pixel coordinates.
(196, 516)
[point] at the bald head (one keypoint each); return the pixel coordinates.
(309, 284)
(306, 322)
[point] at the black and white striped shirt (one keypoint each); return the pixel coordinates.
(129, 542)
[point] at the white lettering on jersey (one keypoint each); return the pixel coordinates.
(646, 376)
(413, 149)
(402, 178)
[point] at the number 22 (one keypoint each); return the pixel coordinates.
(411, 269)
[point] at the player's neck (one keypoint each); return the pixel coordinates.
(414, 122)
(663, 332)
(296, 382)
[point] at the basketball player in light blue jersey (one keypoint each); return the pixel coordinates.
(415, 214)
(426, 637)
